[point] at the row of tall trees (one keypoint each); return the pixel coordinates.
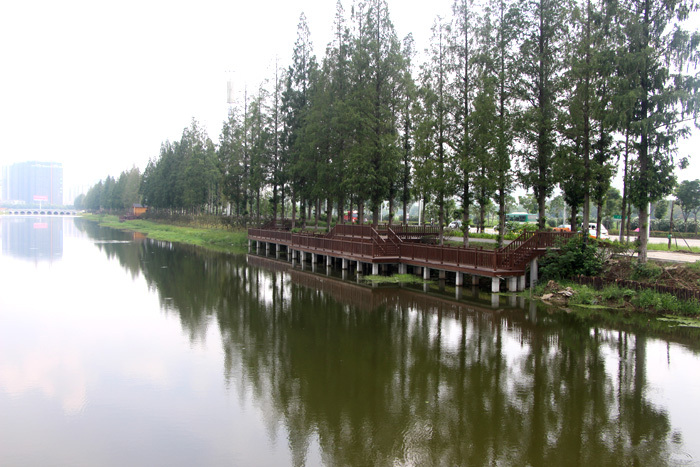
(536, 93)
(119, 194)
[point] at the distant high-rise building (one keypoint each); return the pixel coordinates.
(32, 183)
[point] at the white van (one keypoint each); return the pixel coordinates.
(592, 230)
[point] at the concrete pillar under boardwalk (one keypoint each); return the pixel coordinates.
(459, 279)
(403, 269)
(495, 285)
(533, 273)
(345, 264)
(375, 269)
(267, 248)
(329, 260)
(426, 273)
(359, 267)
(512, 284)
(441, 274)
(277, 253)
(521, 283)
(314, 258)
(475, 280)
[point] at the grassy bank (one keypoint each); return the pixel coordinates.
(394, 279)
(214, 239)
(618, 298)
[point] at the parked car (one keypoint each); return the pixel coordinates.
(455, 225)
(592, 230)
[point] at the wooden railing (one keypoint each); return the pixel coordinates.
(365, 241)
(471, 257)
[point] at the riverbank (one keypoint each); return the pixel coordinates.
(612, 298)
(226, 241)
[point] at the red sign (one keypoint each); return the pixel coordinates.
(40, 198)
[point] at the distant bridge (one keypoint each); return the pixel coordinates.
(42, 212)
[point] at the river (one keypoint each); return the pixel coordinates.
(118, 350)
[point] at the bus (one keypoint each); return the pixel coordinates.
(521, 217)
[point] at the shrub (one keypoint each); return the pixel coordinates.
(584, 296)
(573, 258)
(645, 271)
(616, 294)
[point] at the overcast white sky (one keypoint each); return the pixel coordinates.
(100, 85)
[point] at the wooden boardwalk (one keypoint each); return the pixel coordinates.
(414, 246)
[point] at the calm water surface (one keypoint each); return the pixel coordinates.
(116, 350)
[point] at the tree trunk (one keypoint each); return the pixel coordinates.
(441, 217)
(465, 214)
(329, 214)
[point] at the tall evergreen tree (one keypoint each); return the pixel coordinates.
(545, 27)
(435, 164)
(506, 31)
(377, 65)
(657, 50)
(463, 90)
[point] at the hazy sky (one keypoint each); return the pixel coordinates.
(100, 85)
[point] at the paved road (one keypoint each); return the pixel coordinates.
(677, 256)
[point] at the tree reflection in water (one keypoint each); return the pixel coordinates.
(392, 376)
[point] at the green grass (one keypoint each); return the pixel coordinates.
(230, 241)
(394, 279)
(613, 296)
(680, 247)
(682, 321)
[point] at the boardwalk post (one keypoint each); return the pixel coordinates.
(345, 264)
(359, 267)
(512, 284)
(521, 283)
(495, 284)
(426, 273)
(459, 279)
(329, 260)
(375, 269)
(533, 273)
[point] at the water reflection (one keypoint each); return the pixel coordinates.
(36, 238)
(381, 376)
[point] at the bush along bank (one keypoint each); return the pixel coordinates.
(595, 274)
